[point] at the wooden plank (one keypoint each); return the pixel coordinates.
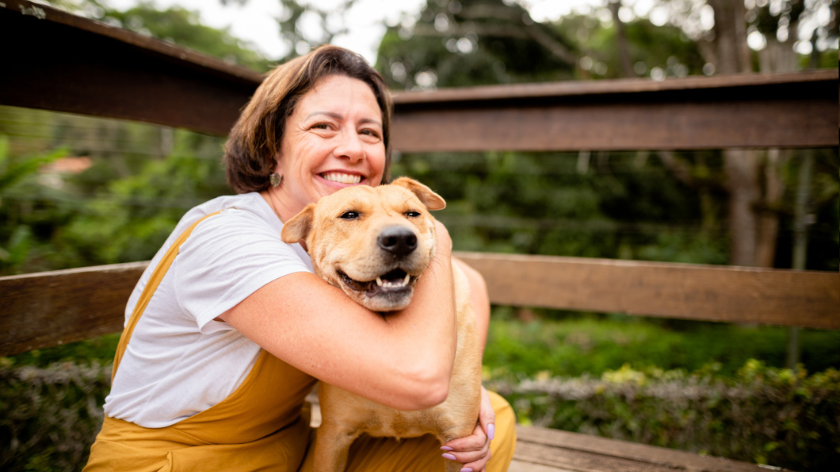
(63, 62)
(788, 110)
(579, 461)
(687, 291)
(617, 87)
(522, 466)
(537, 442)
(52, 308)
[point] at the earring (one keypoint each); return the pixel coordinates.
(275, 179)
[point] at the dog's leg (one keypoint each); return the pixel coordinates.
(454, 432)
(332, 445)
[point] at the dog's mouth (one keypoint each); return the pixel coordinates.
(396, 280)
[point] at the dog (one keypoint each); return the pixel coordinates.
(374, 243)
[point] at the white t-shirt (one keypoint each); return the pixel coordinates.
(179, 361)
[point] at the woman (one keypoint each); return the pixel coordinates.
(228, 328)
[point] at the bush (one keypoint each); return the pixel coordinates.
(594, 344)
(50, 415)
(764, 415)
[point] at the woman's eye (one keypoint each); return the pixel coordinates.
(370, 132)
(412, 214)
(349, 215)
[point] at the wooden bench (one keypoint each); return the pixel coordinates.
(142, 79)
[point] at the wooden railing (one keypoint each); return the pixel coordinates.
(71, 64)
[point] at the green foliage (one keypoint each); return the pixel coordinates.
(50, 416)
(543, 203)
(764, 415)
(593, 345)
(472, 42)
(132, 218)
(181, 26)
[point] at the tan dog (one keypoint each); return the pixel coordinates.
(375, 243)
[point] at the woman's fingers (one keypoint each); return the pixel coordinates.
(473, 451)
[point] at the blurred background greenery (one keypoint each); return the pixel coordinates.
(78, 191)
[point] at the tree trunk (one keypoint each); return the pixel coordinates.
(733, 54)
(774, 188)
(741, 168)
(621, 40)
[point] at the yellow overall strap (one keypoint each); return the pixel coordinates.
(149, 290)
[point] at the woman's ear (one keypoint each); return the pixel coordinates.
(427, 197)
(298, 228)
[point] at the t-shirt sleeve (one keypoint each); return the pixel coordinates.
(227, 258)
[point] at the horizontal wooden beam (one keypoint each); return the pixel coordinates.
(77, 65)
(686, 291)
(51, 308)
(57, 61)
(750, 111)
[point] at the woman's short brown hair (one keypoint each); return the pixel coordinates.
(255, 138)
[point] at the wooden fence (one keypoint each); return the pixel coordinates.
(57, 61)
(71, 64)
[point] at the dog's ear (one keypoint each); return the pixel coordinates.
(427, 197)
(297, 229)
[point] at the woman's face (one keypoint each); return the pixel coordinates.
(332, 140)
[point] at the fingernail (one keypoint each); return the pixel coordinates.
(491, 431)
(466, 469)
(445, 448)
(449, 456)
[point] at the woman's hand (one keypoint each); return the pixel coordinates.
(474, 451)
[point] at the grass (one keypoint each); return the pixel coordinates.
(593, 344)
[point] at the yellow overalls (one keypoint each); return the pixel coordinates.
(262, 425)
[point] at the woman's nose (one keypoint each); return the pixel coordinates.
(350, 146)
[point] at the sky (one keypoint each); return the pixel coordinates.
(256, 22)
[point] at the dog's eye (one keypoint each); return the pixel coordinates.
(349, 215)
(412, 214)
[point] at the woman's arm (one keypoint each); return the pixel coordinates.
(403, 360)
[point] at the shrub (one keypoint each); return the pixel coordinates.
(50, 415)
(764, 415)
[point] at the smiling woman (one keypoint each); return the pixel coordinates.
(229, 328)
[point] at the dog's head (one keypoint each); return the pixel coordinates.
(372, 242)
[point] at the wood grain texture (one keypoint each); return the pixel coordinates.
(52, 308)
(759, 115)
(580, 452)
(610, 87)
(687, 291)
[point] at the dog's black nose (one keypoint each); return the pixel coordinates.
(398, 240)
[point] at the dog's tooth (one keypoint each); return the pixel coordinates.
(379, 281)
(407, 278)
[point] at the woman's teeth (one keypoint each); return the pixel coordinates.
(342, 178)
